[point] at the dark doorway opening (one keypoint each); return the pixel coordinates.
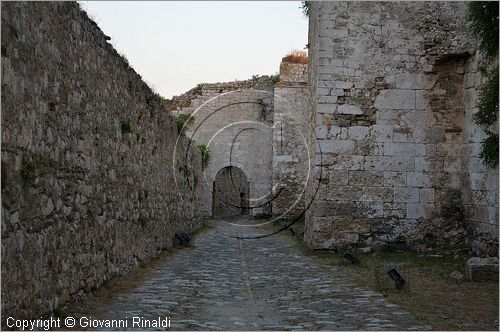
(231, 192)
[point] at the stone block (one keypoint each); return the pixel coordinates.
(411, 81)
(426, 195)
(470, 98)
(327, 99)
(418, 134)
(377, 194)
(320, 119)
(345, 193)
(338, 231)
(337, 177)
(378, 163)
(321, 131)
(343, 84)
(358, 133)
(365, 178)
(394, 179)
(452, 165)
(406, 194)
(348, 162)
(419, 210)
(421, 100)
(482, 269)
(418, 179)
(388, 117)
(478, 181)
(349, 109)
(388, 163)
(428, 164)
(404, 149)
(323, 91)
(337, 146)
(395, 100)
(382, 133)
(326, 108)
(328, 208)
(349, 209)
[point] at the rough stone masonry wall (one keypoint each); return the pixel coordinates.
(290, 157)
(396, 147)
(192, 99)
(235, 120)
(83, 200)
(480, 183)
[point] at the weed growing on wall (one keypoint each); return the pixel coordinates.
(61, 312)
(153, 102)
(143, 220)
(125, 127)
(296, 56)
(205, 153)
(489, 150)
(30, 168)
(183, 120)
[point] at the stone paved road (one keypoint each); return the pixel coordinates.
(267, 284)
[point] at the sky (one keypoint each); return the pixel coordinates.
(176, 45)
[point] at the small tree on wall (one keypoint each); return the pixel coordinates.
(183, 121)
(205, 154)
(483, 16)
(304, 5)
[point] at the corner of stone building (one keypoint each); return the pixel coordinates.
(290, 150)
(392, 126)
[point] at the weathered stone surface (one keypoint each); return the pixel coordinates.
(290, 175)
(349, 109)
(479, 269)
(395, 100)
(406, 99)
(235, 120)
(259, 127)
(84, 199)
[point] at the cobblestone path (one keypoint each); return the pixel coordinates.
(266, 284)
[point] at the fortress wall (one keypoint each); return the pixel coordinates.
(396, 150)
(88, 187)
(290, 157)
(235, 120)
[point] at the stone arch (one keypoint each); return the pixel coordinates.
(237, 128)
(231, 190)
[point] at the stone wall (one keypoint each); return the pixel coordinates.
(290, 157)
(480, 183)
(393, 88)
(87, 181)
(235, 121)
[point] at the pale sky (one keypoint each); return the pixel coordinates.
(176, 45)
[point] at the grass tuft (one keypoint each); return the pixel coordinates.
(296, 56)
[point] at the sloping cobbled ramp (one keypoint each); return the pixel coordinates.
(225, 283)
